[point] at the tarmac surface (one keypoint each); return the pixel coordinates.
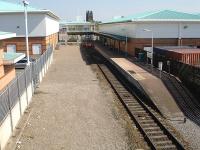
(71, 111)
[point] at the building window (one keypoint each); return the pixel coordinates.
(11, 48)
(37, 49)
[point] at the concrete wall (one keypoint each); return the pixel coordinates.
(39, 25)
(10, 122)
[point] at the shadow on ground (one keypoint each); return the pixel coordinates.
(91, 56)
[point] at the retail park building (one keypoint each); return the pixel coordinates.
(169, 28)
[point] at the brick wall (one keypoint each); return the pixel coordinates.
(7, 73)
(1, 63)
(52, 40)
(141, 43)
(1, 71)
(9, 76)
(21, 43)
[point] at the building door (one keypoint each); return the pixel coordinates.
(37, 49)
(11, 48)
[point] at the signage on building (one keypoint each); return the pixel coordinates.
(160, 65)
(149, 52)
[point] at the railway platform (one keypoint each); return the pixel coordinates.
(72, 109)
(148, 83)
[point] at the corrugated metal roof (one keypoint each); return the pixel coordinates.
(187, 51)
(169, 14)
(180, 49)
(160, 15)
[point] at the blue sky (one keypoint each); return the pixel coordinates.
(106, 9)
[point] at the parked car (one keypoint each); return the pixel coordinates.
(23, 62)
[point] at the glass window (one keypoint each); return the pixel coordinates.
(11, 48)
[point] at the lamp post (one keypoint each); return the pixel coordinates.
(26, 3)
(152, 43)
(126, 47)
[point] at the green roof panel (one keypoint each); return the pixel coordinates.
(169, 14)
(5, 35)
(6, 6)
(10, 7)
(157, 15)
(11, 58)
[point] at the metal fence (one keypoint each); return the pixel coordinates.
(189, 75)
(28, 79)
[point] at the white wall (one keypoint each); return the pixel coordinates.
(192, 30)
(38, 24)
(52, 25)
(119, 29)
(160, 29)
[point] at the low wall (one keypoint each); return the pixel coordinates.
(9, 123)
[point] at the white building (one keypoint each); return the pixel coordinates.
(72, 31)
(43, 26)
(168, 28)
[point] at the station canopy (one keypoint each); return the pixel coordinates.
(112, 36)
(12, 58)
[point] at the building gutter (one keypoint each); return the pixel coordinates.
(7, 35)
(166, 20)
(116, 22)
(153, 20)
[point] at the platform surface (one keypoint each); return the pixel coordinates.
(72, 109)
(152, 85)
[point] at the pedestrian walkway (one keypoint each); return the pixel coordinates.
(70, 111)
(152, 85)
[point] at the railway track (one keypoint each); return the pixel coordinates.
(186, 101)
(184, 98)
(148, 122)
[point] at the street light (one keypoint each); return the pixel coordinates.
(126, 48)
(26, 3)
(152, 41)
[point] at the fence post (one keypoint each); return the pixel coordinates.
(20, 107)
(31, 77)
(26, 86)
(10, 111)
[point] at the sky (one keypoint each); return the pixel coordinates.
(107, 9)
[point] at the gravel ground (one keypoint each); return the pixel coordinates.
(71, 110)
(190, 132)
